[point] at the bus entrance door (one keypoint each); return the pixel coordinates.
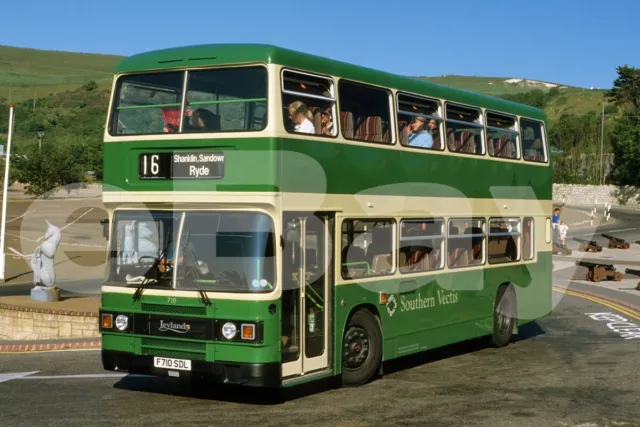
(306, 296)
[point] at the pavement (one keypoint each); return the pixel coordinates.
(567, 369)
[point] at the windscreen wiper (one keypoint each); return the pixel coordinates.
(188, 255)
(154, 267)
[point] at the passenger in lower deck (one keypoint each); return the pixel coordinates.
(418, 134)
(301, 118)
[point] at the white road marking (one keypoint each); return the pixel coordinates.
(620, 231)
(77, 219)
(582, 235)
(54, 377)
(18, 217)
(15, 376)
(561, 265)
(618, 324)
(31, 376)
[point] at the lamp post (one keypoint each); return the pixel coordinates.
(5, 193)
(40, 130)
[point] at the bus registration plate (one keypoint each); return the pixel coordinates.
(168, 363)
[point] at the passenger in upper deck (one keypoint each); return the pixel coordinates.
(418, 135)
(202, 120)
(327, 122)
(433, 127)
(301, 118)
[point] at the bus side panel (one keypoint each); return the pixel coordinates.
(444, 308)
(535, 301)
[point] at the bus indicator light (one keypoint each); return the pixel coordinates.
(248, 332)
(383, 298)
(107, 321)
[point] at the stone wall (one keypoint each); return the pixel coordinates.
(27, 323)
(588, 195)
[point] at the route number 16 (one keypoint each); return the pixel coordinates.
(154, 165)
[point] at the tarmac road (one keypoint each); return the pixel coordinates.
(564, 370)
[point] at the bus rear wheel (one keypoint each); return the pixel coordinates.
(361, 348)
(504, 316)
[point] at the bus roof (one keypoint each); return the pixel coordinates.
(219, 54)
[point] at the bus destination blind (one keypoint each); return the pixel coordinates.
(181, 165)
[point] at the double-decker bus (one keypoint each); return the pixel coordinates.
(277, 217)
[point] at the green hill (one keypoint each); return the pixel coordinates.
(29, 73)
(570, 99)
(25, 73)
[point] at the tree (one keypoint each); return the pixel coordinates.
(626, 134)
(90, 85)
(47, 169)
(626, 88)
(13, 173)
(626, 150)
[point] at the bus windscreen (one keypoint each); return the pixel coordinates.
(216, 100)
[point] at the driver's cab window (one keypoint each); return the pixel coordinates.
(141, 246)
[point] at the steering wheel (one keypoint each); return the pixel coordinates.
(167, 267)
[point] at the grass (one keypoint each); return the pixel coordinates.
(25, 73)
(485, 85)
(573, 100)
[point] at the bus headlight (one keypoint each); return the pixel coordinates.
(122, 322)
(229, 330)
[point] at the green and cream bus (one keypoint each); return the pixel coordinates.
(271, 220)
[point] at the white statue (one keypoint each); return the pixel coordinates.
(42, 259)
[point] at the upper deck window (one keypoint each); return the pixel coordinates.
(219, 100)
(533, 147)
(464, 129)
(145, 103)
(502, 136)
(419, 122)
(365, 112)
(308, 104)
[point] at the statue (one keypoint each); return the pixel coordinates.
(42, 259)
(41, 262)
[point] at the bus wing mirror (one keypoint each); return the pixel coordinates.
(105, 228)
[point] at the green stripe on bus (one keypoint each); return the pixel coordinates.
(279, 164)
(136, 107)
(227, 101)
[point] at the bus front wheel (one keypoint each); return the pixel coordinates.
(361, 348)
(504, 316)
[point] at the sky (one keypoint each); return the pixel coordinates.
(571, 42)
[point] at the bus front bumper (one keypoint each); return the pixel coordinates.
(247, 374)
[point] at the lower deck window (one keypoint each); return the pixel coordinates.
(421, 245)
(367, 247)
(504, 240)
(527, 239)
(465, 243)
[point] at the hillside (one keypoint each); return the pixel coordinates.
(571, 100)
(28, 72)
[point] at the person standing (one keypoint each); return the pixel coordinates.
(555, 222)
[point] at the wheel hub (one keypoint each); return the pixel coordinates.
(504, 317)
(355, 347)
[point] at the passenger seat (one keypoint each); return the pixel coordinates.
(346, 123)
(370, 129)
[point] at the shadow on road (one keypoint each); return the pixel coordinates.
(525, 332)
(219, 392)
(257, 396)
